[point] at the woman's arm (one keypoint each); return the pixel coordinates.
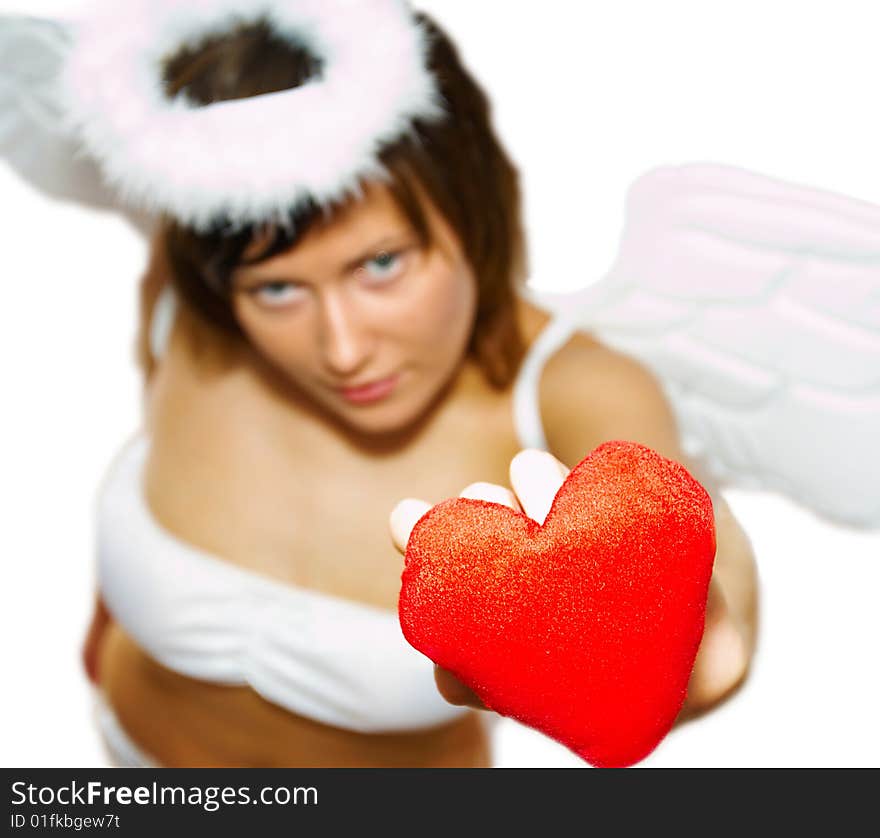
(590, 394)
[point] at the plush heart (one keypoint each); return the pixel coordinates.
(585, 628)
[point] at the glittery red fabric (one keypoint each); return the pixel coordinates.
(586, 628)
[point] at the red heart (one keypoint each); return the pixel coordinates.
(585, 628)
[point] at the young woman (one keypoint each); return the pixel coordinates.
(306, 378)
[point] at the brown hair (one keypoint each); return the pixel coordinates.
(457, 163)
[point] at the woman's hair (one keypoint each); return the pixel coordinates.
(456, 163)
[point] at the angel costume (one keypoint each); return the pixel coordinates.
(755, 302)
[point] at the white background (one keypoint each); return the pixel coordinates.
(588, 96)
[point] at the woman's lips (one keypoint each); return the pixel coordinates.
(372, 392)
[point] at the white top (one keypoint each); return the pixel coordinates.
(334, 660)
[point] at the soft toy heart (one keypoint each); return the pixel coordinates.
(585, 628)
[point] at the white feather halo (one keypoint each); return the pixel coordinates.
(245, 160)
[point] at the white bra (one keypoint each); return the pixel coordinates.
(331, 659)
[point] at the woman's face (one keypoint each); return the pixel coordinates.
(360, 316)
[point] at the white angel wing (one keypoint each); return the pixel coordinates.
(757, 304)
(32, 137)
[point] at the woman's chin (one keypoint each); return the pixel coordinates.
(381, 421)
(391, 417)
(388, 414)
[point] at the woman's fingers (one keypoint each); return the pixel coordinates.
(406, 514)
(491, 492)
(536, 477)
(402, 520)
(454, 691)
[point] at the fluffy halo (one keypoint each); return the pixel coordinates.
(244, 160)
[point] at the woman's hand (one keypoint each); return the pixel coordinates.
(728, 638)
(535, 477)
(94, 637)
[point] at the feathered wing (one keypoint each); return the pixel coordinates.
(33, 140)
(757, 305)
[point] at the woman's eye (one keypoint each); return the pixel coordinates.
(382, 266)
(277, 293)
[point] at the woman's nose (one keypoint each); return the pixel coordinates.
(345, 343)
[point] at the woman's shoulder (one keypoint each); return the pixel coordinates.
(580, 354)
(590, 392)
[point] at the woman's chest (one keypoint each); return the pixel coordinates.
(296, 503)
